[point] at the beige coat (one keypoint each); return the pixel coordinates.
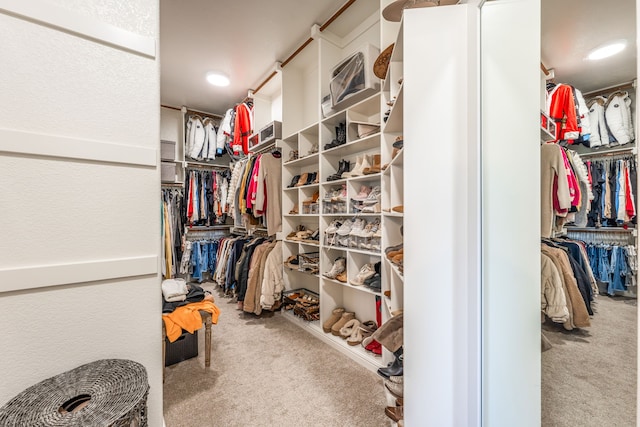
(553, 301)
(575, 303)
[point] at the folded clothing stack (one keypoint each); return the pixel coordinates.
(174, 290)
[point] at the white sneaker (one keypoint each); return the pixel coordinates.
(371, 229)
(365, 272)
(333, 227)
(345, 228)
(358, 227)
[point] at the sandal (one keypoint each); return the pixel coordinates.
(368, 328)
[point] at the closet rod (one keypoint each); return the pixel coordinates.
(172, 184)
(306, 43)
(613, 152)
(610, 89)
(544, 69)
(600, 230)
(200, 166)
(191, 110)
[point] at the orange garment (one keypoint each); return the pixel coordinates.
(188, 317)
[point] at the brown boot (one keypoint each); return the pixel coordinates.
(336, 314)
(375, 165)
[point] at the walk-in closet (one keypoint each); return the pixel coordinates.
(589, 337)
(214, 198)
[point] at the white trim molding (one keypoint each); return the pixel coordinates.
(44, 13)
(40, 276)
(37, 144)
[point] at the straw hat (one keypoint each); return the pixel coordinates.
(393, 12)
(382, 63)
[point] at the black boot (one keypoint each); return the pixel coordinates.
(395, 368)
(334, 142)
(342, 134)
(343, 166)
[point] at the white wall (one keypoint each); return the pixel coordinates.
(510, 34)
(441, 285)
(79, 132)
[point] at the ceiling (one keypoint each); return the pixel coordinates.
(571, 28)
(244, 39)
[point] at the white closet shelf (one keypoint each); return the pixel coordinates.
(311, 159)
(286, 268)
(393, 214)
(337, 181)
(394, 122)
(356, 352)
(365, 177)
(394, 268)
(397, 161)
(601, 229)
(355, 147)
(350, 286)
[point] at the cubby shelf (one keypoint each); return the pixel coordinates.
(304, 83)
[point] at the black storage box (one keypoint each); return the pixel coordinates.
(185, 347)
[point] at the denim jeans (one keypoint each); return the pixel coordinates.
(619, 269)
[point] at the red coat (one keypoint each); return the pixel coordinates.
(562, 109)
(242, 129)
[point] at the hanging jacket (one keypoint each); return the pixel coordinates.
(272, 279)
(618, 117)
(212, 138)
(242, 129)
(599, 132)
(584, 120)
(552, 298)
(554, 186)
(196, 137)
(562, 108)
(224, 132)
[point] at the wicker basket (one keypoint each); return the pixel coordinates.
(110, 392)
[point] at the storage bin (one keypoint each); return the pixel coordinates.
(185, 347)
(168, 172)
(167, 150)
(352, 79)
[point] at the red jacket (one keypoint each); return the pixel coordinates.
(242, 129)
(562, 109)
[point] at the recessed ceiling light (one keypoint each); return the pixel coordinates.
(218, 79)
(607, 50)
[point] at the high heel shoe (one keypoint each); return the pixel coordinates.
(303, 180)
(294, 181)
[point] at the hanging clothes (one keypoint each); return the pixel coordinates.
(243, 127)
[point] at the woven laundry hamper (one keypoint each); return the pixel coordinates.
(109, 393)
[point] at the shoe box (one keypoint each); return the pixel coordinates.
(185, 347)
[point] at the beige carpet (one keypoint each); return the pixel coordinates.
(589, 376)
(269, 372)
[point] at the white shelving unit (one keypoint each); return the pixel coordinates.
(294, 97)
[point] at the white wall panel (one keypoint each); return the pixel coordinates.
(75, 211)
(511, 212)
(79, 128)
(74, 87)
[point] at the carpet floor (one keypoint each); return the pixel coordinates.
(589, 376)
(266, 371)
